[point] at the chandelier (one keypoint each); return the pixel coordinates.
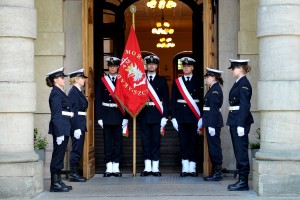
(162, 27)
(161, 4)
(165, 43)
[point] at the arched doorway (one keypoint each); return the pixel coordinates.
(109, 40)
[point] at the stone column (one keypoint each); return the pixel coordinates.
(277, 164)
(20, 172)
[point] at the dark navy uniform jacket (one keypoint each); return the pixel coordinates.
(181, 111)
(150, 113)
(79, 103)
(109, 115)
(59, 124)
(240, 95)
(214, 100)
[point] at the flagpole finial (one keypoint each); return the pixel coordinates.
(133, 11)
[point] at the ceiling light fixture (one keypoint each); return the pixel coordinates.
(161, 4)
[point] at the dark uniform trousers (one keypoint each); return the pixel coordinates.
(187, 121)
(150, 134)
(215, 150)
(58, 154)
(240, 148)
(150, 119)
(187, 138)
(112, 135)
(79, 103)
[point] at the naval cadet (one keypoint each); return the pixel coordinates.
(79, 106)
(111, 117)
(59, 127)
(213, 121)
(153, 117)
(239, 121)
(185, 105)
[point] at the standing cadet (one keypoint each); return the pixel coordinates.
(111, 117)
(240, 120)
(79, 105)
(153, 117)
(185, 106)
(213, 121)
(59, 127)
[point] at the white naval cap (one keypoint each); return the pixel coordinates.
(235, 63)
(152, 59)
(187, 61)
(56, 73)
(213, 72)
(112, 61)
(78, 73)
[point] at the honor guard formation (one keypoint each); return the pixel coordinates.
(188, 112)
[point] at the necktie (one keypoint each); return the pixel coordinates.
(113, 79)
(188, 79)
(150, 79)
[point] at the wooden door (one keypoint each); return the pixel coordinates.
(209, 61)
(88, 65)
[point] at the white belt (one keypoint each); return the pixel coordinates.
(81, 113)
(112, 105)
(66, 113)
(150, 104)
(234, 107)
(183, 101)
(208, 109)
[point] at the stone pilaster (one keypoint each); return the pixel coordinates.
(20, 172)
(277, 164)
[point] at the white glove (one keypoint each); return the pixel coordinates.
(163, 122)
(124, 123)
(175, 124)
(211, 131)
(60, 139)
(199, 124)
(72, 114)
(100, 122)
(77, 133)
(240, 131)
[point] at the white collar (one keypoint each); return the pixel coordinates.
(239, 78)
(185, 77)
(153, 76)
(77, 87)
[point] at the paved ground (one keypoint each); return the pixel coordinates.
(169, 186)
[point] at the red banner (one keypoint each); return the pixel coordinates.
(131, 86)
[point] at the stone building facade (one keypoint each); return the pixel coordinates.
(37, 36)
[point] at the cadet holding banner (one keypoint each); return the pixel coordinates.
(185, 104)
(111, 117)
(153, 117)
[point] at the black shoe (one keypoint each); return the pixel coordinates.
(184, 174)
(75, 177)
(193, 174)
(240, 185)
(56, 185)
(145, 173)
(63, 184)
(117, 174)
(156, 173)
(216, 176)
(107, 174)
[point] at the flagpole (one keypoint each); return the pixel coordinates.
(133, 10)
